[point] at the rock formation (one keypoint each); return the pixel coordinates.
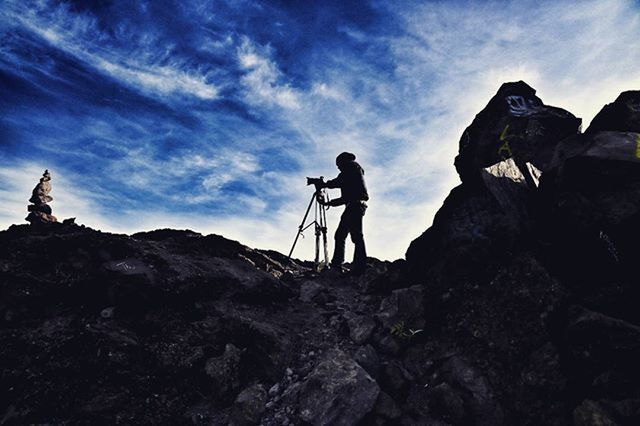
(518, 306)
(531, 279)
(40, 211)
(623, 115)
(514, 124)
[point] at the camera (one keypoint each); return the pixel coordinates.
(318, 182)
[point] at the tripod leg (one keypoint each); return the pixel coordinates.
(323, 219)
(317, 259)
(304, 219)
(317, 231)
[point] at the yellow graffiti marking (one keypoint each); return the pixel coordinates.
(638, 147)
(506, 149)
(505, 144)
(503, 135)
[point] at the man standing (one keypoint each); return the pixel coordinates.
(354, 196)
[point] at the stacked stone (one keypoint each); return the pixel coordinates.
(40, 211)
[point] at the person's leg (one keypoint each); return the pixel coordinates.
(353, 219)
(339, 241)
(355, 228)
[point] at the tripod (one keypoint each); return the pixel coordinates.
(320, 222)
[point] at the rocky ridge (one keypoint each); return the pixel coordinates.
(517, 306)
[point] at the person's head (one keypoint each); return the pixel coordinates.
(344, 159)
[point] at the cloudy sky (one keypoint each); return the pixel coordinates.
(208, 115)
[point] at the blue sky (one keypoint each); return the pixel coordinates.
(209, 114)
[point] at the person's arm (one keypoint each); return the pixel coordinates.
(337, 202)
(335, 183)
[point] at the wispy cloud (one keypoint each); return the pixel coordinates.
(149, 67)
(263, 79)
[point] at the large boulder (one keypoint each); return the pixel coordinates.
(249, 406)
(368, 359)
(596, 179)
(360, 327)
(623, 115)
(503, 171)
(545, 218)
(404, 308)
(224, 371)
(386, 407)
(502, 156)
(458, 394)
(501, 324)
(597, 342)
(337, 392)
(591, 196)
(472, 228)
(541, 388)
(512, 188)
(478, 394)
(592, 413)
(515, 123)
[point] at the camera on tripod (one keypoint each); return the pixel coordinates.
(317, 182)
(319, 202)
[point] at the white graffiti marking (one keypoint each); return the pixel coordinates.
(610, 247)
(126, 266)
(519, 105)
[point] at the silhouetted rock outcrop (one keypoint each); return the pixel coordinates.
(40, 211)
(623, 115)
(531, 278)
(514, 124)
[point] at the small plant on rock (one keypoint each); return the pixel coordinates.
(398, 330)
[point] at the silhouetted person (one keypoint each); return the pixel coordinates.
(354, 196)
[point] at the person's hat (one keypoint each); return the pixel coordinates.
(345, 157)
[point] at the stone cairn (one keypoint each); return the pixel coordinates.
(40, 211)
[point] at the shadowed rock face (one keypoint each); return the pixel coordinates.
(518, 306)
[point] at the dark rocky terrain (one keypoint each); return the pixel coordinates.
(517, 307)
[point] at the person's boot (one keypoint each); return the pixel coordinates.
(338, 254)
(334, 271)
